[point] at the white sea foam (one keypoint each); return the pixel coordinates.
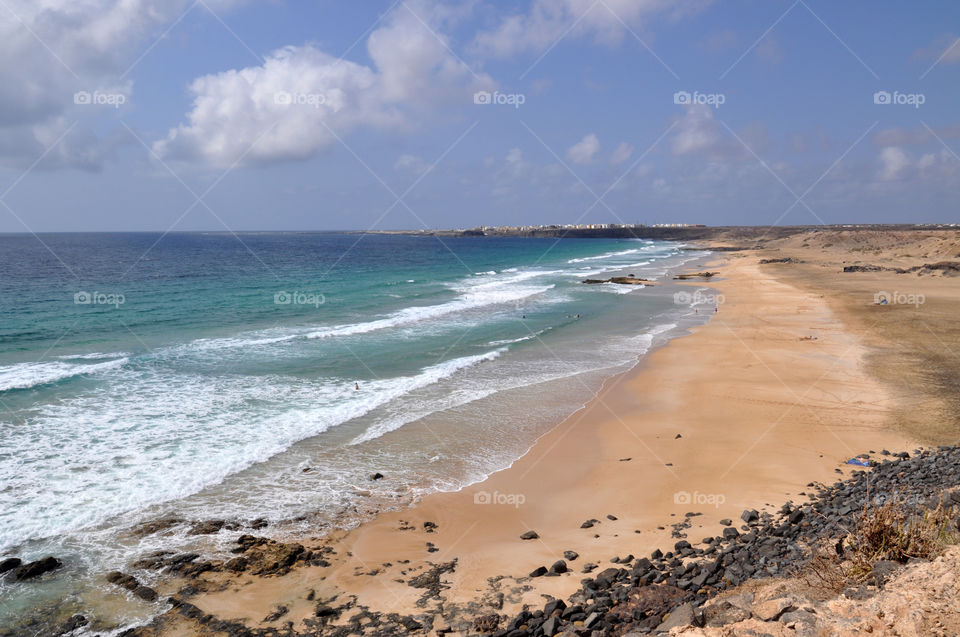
(150, 436)
(471, 296)
(607, 255)
(27, 375)
(617, 288)
(92, 356)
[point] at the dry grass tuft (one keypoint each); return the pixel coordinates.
(891, 532)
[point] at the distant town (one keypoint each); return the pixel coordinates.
(678, 231)
(579, 226)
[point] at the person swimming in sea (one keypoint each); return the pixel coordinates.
(356, 386)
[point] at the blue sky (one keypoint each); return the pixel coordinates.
(329, 114)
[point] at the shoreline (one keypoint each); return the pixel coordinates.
(578, 472)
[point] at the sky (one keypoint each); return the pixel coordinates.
(245, 115)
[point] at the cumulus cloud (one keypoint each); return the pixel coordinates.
(547, 21)
(897, 165)
(696, 132)
(621, 154)
(585, 150)
(301, 99)
(893, 163)
(57, 48)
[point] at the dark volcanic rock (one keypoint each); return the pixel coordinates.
(31, 570)
(486, 623)
(625, 602)
(72, 624)
(529, 535)
(430, 580)
(206, 528)
(9, 564)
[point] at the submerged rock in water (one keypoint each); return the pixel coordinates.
(9, 564)
(36, 569)
(620, 280)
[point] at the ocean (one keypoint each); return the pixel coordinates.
(267, 376)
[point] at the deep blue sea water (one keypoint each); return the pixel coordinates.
(215, 376)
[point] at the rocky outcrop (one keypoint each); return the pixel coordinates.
(620, 280)
(10, 563)
(254, 555)
(35, 569)
(695, 275)
(946, 268)
(131, 583)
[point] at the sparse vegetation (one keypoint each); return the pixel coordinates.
(890, 532)
(895, 532)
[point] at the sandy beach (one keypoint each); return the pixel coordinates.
(782, 386)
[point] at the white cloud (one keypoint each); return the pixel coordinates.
(548, 21)
(696, 132)
(897, 165)
(55, 48)
(894, 163)
(411, 163)
(621, 154)
(236, 113)
(585, 150)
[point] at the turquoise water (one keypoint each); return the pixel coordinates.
(215, 376)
